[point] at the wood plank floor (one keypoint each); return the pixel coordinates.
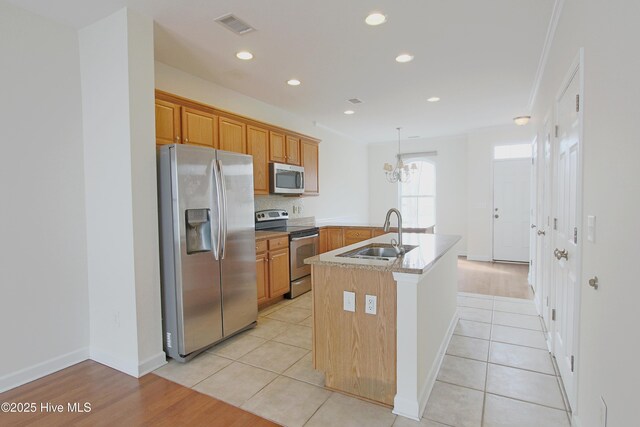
(494, 278)
(118, 399)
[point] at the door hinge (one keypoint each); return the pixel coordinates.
(575, 235)
(577, 103)
(555, 223)
(573, 361)
(557, 131)
(532, 161)
(547, 301)
(553, 314)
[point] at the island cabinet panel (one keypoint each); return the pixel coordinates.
(355, 235)
(199, 127)
(258, 147)
(335, 238)
(233, 135)
(355, 350)
(277, 148)
(167, 123)
(309, 157)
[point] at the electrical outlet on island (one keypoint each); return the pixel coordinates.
(370, 304)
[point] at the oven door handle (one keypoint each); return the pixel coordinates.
(295, 239)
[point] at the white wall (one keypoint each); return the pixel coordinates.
(609, 346)
(43, 262)
(480, 184)
(344, 186)
(116, 59)
(451, 182)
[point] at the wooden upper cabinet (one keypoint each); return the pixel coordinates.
(277, 147)
(167, 123)
(309, 157)
(199, 127)
(293, 150)
(258, 147)
(233, 135)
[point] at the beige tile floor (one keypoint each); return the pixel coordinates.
(497, 372)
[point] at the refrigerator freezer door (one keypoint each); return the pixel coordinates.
(197, 276)
(239, 293)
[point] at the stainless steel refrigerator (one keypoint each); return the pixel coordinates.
(207, 245)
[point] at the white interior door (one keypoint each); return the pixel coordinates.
(565, 234)
(544, 250)
(533, 218)
(511, 189)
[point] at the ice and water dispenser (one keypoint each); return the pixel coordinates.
(198, 230)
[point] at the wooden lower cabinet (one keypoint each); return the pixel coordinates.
(262, 277)
(279, 282)
(324, 243)
(355, 235)
(272, 270)
(335, 238)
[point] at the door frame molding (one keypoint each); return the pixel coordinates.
(576, 70)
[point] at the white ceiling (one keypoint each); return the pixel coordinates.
(480, 57)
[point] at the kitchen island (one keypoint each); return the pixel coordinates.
(390, 357)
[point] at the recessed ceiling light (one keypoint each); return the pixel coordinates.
(293, 82)
(349, 112)
(433, 99)
(405, 57)
(375, 18)
(245, 55)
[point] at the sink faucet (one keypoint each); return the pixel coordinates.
(396, 245)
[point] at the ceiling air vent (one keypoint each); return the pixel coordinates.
(233, 23)
(355, 101)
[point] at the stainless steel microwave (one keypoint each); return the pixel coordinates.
(286, 179)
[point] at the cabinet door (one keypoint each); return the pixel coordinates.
(277, 148)
(167, 123)
(324, 240)
(309, 151)
(293, 150)
(378, 232)
(233, 135)
(199, 127)
(335, 238)
(258, 147)
(262, 277)
(279, 282)
(355, 235)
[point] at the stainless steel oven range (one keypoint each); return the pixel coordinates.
(304, 242)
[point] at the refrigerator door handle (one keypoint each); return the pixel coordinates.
(217, 198)
(223, 191)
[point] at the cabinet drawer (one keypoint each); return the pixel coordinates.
(279, 243)
(357, 233)
(261, 246)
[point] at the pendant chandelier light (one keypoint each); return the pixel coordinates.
(401, 172)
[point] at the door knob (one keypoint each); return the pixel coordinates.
(496, 216)
(594, 282)
(541, 233)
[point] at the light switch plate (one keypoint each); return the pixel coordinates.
(370, 304)
(349, 303)
(591, 228)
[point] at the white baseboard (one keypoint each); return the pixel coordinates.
(152, 363)
(425, 393)
(482, 258)
(31, 373)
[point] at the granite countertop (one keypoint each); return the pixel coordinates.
(266, 234)
(430, 248)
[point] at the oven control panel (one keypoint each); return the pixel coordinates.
(271, 215)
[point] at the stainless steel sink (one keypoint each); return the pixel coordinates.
(375, 251)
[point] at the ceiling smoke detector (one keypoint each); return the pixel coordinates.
(235, 24)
